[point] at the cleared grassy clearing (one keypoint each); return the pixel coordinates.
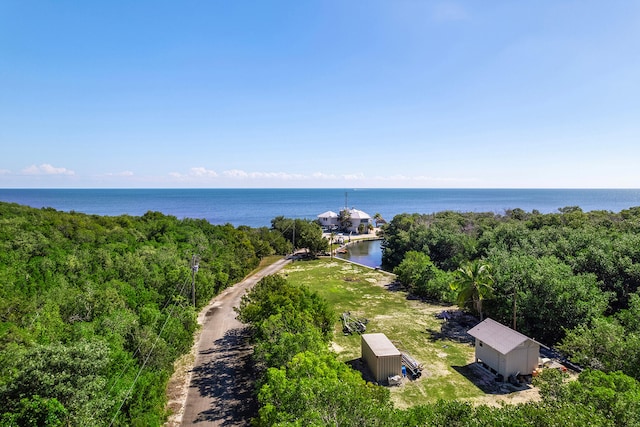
(363, 292)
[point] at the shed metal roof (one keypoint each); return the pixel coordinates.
(380, 345)
(498, 336)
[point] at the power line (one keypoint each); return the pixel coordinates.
(126, 368)
(144, 364)
(128, 394)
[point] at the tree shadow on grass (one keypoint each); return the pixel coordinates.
(360, 366)
(395, 287)
(455, 327)
(228, 380)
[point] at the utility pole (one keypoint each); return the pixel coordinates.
(514, 310)
(194, 270)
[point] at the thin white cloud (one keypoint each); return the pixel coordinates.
(235, 173)
(232, 177)
(279, 175)
(46, 169)
(325, 176)
(5, 171)
(284, 176)
(195, 172)
(201, 173)
(423, 178)
(204, 172)
(123, 173)
(353, 177)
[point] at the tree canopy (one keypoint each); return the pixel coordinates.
(301, 233)
(569, 275)
(94, 310)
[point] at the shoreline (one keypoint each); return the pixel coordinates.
(343, 249)
(374, 235)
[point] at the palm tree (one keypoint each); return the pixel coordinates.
(344, 218)
(379, 219)
(332, 237)
(473, 283)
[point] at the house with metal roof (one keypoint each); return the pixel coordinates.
(328, 220)
(504, 350)
(359, 218)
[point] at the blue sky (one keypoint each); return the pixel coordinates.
(344, 94)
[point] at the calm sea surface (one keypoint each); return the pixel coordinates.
(256, 207)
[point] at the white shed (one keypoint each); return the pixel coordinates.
(503, 350)
(381, 356)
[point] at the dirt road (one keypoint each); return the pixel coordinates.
(221, 384)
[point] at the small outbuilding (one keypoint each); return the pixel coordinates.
(503, 350)
(381, 356)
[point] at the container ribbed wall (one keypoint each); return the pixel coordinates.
(381, 356)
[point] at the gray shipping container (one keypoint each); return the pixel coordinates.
(381, 356)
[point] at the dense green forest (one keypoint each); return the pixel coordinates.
(94, 310)
(568, 279)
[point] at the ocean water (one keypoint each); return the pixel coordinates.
(256, 207)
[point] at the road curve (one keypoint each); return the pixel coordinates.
(220, 390)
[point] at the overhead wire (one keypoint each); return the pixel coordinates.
(148, 356)
(135, 353)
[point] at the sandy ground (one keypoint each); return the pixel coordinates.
(213, 385)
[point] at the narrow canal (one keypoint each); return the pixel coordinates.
(367, 252)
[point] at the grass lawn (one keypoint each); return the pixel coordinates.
(362, 291)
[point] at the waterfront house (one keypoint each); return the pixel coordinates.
(328, 220)
(359, 218)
